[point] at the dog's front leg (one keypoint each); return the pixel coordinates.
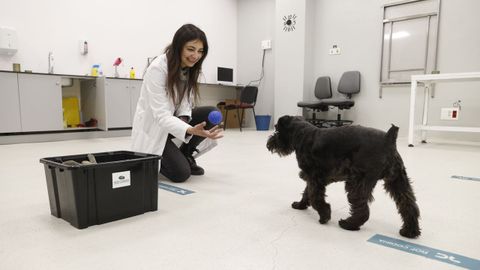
(303, 203)
(316, 193)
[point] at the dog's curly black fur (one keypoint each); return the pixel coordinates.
(358, 155)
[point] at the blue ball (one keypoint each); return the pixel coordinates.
(215, 117)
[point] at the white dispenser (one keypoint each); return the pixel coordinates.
(8, 41)
(50, 62)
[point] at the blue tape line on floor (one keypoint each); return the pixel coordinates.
(175, 189)
(431, 253)
(465, 178)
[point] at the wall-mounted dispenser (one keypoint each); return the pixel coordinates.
(83, 47)
(51, 62)
(8, 41)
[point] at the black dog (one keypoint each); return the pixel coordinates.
(359, 156)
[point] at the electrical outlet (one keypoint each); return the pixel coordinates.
(266, 44)
(334, 50)
(449, 113)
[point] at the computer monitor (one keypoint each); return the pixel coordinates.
(224, 75)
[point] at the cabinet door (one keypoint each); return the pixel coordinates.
(40, 102)
(135, 87)
(9, 103)
(117, 95)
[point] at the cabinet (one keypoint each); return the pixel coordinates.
(135, 87)
(40, 102)
(121, 100)
(9, 104)
(32, 102)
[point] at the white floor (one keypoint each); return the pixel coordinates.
(239, 216)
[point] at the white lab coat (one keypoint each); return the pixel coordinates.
(155, 116)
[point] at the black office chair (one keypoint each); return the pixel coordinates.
(248, 98)
(323, 90)
(348, 85)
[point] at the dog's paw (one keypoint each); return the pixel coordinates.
(299, 205)
(325, 214)
(410, 233)
(324, 220)
(344, 224)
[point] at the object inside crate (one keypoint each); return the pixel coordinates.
(89, 159)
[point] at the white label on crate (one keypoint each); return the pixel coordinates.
(121, 179)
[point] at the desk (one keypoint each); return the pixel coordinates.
(428, 79)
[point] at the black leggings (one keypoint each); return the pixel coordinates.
(174, 165)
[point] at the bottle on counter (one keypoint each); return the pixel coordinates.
(95, 70)
(100, 70)
(132, 73)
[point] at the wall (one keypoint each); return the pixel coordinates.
(355, 26)
(289, 57)
(132, 30)
(255, 23)
(309, 79)
(288, 66)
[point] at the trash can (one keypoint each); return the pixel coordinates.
(120, 184)
(263, 122)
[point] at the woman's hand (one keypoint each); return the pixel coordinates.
(198, 130)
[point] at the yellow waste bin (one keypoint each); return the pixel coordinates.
(71, 111)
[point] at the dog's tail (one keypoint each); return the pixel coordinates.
(391, 137)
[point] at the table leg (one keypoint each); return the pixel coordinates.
(428, 88)
(413, 93)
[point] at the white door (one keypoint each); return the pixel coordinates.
(9, 103)
(117, 94)
(40, 102)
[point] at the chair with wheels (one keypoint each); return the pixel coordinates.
(348, 85)
(323, 91)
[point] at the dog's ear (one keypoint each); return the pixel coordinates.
(299, 118)
(284, 121)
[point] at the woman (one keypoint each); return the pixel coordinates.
(165, 107)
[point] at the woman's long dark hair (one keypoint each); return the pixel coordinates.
(186, 33)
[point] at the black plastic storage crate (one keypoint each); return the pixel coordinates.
(121, 184)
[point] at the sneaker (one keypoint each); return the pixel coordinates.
(194, 168)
